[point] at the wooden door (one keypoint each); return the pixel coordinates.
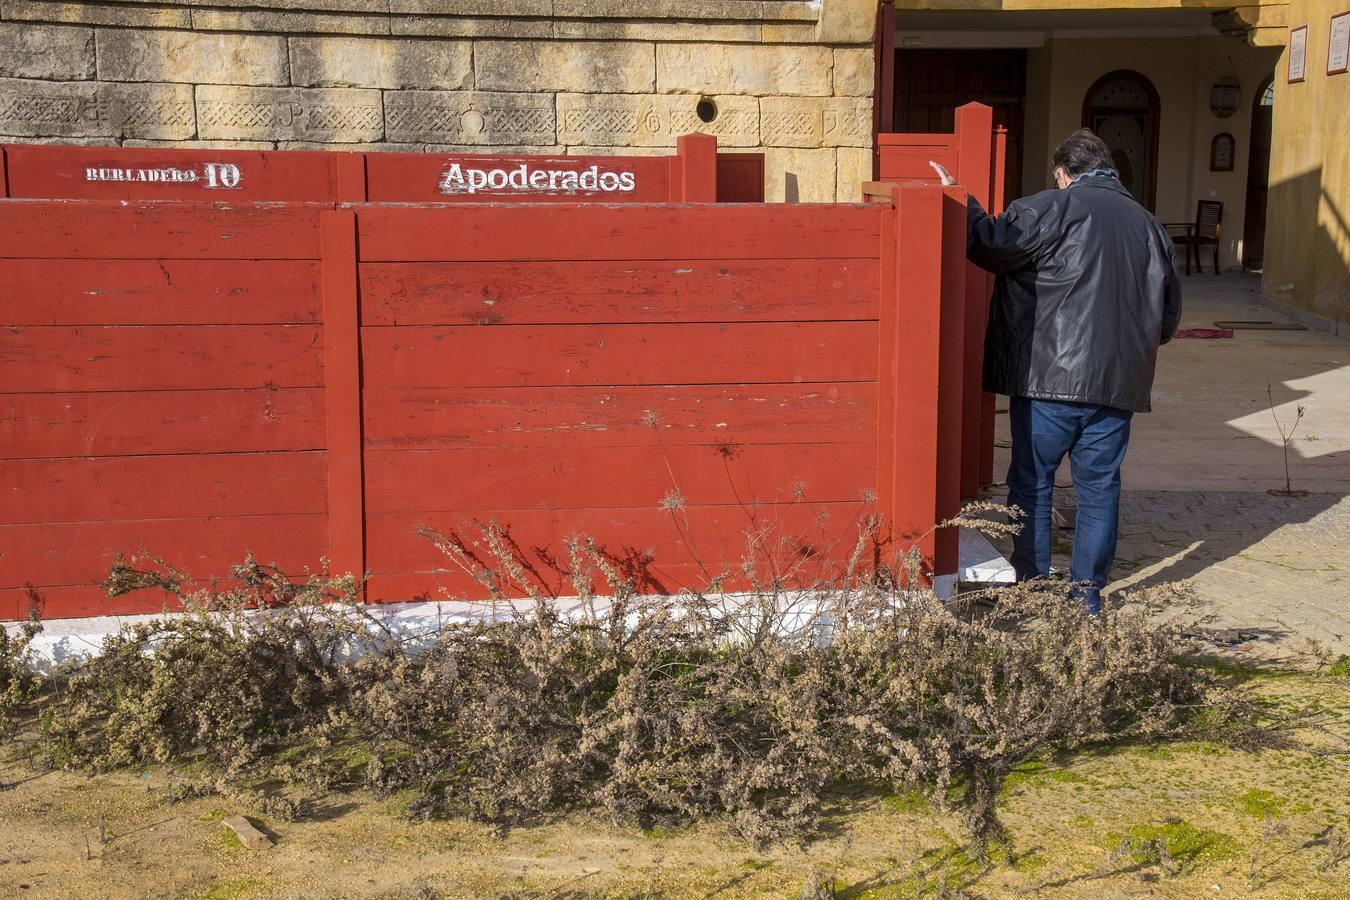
(1258, 177)
(1122, 108)
(931, 84)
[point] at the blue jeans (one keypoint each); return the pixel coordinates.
(1095, 438)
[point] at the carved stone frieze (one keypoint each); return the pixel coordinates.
(262, 114)
(461, 117)
(654, 120)
(87, 109)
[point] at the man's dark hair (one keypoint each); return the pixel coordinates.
(1082, 152)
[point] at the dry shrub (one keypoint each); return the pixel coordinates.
(243, 673)
(19, 684)
(751, 707)
(755, 706)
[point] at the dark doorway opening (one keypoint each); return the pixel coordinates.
(931, 84)
(1258, 176)
(1122, 108)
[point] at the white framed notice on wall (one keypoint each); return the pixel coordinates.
(1298, 54)
(1338, 48)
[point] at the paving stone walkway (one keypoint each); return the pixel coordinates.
(1195, 506)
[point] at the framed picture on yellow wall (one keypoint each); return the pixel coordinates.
(1298, 54)
(1338, 45)
(1222, 151)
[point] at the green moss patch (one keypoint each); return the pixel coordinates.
(1185, 844)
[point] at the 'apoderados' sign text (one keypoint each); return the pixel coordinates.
(526, 179)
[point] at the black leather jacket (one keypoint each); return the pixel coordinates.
(1087, 290)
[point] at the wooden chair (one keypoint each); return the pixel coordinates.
(1204, 231)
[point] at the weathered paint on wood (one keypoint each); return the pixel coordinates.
(111, 229)
(802, 543)
(56, 554)
(743, 353)
(975, 154)
(616, 232)
(342, 393)
(61, 358)
(126, 173)
(158, 292)
(496, 478)
(104, 489)
(130, 423)
(636, 415)
(570, 292)
(740, 178)
(679, 290)
(975, 165)
(725, 361)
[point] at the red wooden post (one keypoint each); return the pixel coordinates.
(988, 407)
(974, 136)
(4, 177)
(350, 177)
(921, 318)
(342, 392)
(694, 177)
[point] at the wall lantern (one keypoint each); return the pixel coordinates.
(1225, 96)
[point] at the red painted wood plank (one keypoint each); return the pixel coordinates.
(103, 489)
(575, 477)
(98, 358)
(349, 170)
(887, 349)
(749, 353)
(740, 178)
(431, 177)
(122, 423)
(73, 553)
(974, 138)
(927, 343)
(157, 292)
(742, 290)
(126, 173)
(342, 381)
(652, 578)
(910, 162)
(890, 141)
(617, 232)
(112, 229)
(789, 539)
(83, 600)
(695, 163)
(425, 418)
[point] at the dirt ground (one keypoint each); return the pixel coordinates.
(1193, 820)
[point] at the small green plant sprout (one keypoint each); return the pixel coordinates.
(1285, 437)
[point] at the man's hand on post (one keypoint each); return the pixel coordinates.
(943, 175)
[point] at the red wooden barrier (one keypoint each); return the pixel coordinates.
(163, 380)
(690, 384)
(974, 154)
(695, 173)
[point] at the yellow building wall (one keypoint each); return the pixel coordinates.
(1308, 219)
(1182, 70)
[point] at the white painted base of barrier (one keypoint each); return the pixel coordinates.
(64, 640)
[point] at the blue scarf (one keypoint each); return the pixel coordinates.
(1095, 173)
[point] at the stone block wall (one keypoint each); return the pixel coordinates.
(790, 77)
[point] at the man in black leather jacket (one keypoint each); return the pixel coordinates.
(1087, 290)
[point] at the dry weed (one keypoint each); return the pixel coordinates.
(749, 707)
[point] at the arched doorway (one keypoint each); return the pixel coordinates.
(1122, 109)
(1258, 176)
